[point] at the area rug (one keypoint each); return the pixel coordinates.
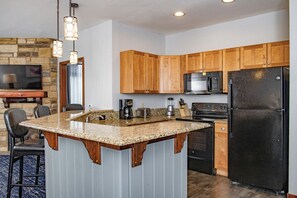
(29, 168)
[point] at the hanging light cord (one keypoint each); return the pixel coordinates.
(70, 7)
(58, 14)
(73, 12)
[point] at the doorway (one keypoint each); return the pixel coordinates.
(72, 81)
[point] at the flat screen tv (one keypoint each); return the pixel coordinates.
(20, 77)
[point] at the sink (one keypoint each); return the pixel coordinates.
(114, 121)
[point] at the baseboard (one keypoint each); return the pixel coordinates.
(291, 196)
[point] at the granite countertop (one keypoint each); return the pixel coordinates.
(114, 133)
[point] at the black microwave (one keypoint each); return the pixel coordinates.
(203, 83)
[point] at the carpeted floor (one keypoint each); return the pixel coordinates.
(29, 168)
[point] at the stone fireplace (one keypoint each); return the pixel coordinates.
(35, 51)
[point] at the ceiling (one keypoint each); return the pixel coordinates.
(37, 18)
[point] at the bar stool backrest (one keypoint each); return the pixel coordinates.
(70, 107)
(12, 118)
(41, 111)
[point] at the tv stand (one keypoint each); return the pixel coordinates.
(22, 96)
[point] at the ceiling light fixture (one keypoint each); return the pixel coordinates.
(228, 1)
(73, 54)
(70, 24)
(57, 44)
(179, 14)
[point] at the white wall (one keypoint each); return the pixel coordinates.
(293, 99)
(263, 28)
(125, 38)
(95, 45)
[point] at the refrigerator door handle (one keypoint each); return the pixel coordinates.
(208, 84)
(230, 111)
(230, 100)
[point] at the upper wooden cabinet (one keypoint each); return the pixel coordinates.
(194, 62)
(253, 56)
(183, 70)
(139, 72)
(213, 61)
(231, 62)
(204, 61)
(152, 73)
(278, 54)
(265, 55)
(170, 74)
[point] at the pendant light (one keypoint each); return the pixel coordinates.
(57, 44)
(70, 24)
(73, 54)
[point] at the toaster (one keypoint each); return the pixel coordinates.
(143, 112)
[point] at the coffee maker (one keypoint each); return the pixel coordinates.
(126, 111)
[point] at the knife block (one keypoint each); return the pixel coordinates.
(184, 110)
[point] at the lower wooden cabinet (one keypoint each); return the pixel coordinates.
(221, 148)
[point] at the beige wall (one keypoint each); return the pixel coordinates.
(29, 51)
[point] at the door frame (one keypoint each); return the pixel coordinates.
(63, 82)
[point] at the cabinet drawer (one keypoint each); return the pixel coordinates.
(221, 127)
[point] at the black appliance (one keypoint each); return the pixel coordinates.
(201, 142)
(258, 112)
(203, 83)
(20, 77)
(126, 112)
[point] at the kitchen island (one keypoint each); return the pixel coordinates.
(100, 160)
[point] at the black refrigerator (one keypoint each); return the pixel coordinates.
(258, 110)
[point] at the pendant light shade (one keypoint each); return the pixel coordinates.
(70, 28)
(73, 57)
(58, 48)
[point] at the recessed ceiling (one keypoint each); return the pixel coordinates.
(37, 18)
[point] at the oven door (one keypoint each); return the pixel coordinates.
(201, 150)
(197, 83)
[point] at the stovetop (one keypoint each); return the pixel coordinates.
(207, 112)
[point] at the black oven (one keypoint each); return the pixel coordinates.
(200, 150)
(203, 83)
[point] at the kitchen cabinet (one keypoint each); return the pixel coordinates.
(274, 54)
(170, 75)
(183, 70)
(253, 56)
(213, 61)
(139, 72)
(194, 62)
(204, 62)
(278, 54)
(231, 62)
(152, 73)
(221, 148)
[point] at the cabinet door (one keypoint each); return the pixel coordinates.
(253, 56)
(231, 62)
(278, 54)
(139, 72)
(213, 61)
(221, 149)
(170, 74)
(194, 63)
(183, 70)
(152, 73)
